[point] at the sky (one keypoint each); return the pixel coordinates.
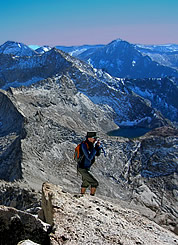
(78, 22)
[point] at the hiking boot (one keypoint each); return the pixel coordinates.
(83, 190)
(92, 191)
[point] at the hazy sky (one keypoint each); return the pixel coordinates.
(77, 22)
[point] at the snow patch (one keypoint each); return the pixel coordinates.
(133, 63)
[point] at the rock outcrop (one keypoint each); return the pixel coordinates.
(90, 220)
(27, 242)
(18, 195)
(16, 225)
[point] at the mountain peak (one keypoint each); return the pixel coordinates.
(16, 48)
(119, 42)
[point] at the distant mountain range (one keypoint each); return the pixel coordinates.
(76, 50)
(165, 55)
(119, 85)
(122, 59)
(118, 58)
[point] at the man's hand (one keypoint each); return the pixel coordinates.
(97, 145)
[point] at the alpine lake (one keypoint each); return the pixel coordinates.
(129, 132)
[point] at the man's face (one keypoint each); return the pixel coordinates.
(92, 140)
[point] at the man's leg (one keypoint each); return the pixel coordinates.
(88, 179)
(85, 183)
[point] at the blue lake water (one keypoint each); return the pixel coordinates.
(129, 132)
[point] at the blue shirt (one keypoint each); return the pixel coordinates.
(88, 156)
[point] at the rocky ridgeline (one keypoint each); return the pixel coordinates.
(90, 220)
(75, 219)
(111, 94)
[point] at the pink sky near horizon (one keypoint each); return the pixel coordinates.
(142, 34)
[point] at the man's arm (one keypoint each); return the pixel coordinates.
(86, 153)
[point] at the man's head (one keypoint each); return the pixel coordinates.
(91, 136)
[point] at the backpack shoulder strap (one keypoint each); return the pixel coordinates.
(84, 142)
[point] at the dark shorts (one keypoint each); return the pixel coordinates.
(87, 178)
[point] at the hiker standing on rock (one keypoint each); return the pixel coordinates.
(89, 149)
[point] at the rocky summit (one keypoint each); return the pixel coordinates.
(91, 220)
(68, 218)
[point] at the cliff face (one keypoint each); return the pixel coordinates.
(11, 133)
(11, 121)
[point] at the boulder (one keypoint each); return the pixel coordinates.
(16, 226)
(27, 242)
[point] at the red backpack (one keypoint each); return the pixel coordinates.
(78, 154)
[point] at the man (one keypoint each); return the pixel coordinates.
(90, 148)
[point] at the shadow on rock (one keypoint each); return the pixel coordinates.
(11, 132)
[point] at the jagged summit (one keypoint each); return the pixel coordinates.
(121, 49)
(16, 48)
(69, 218)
